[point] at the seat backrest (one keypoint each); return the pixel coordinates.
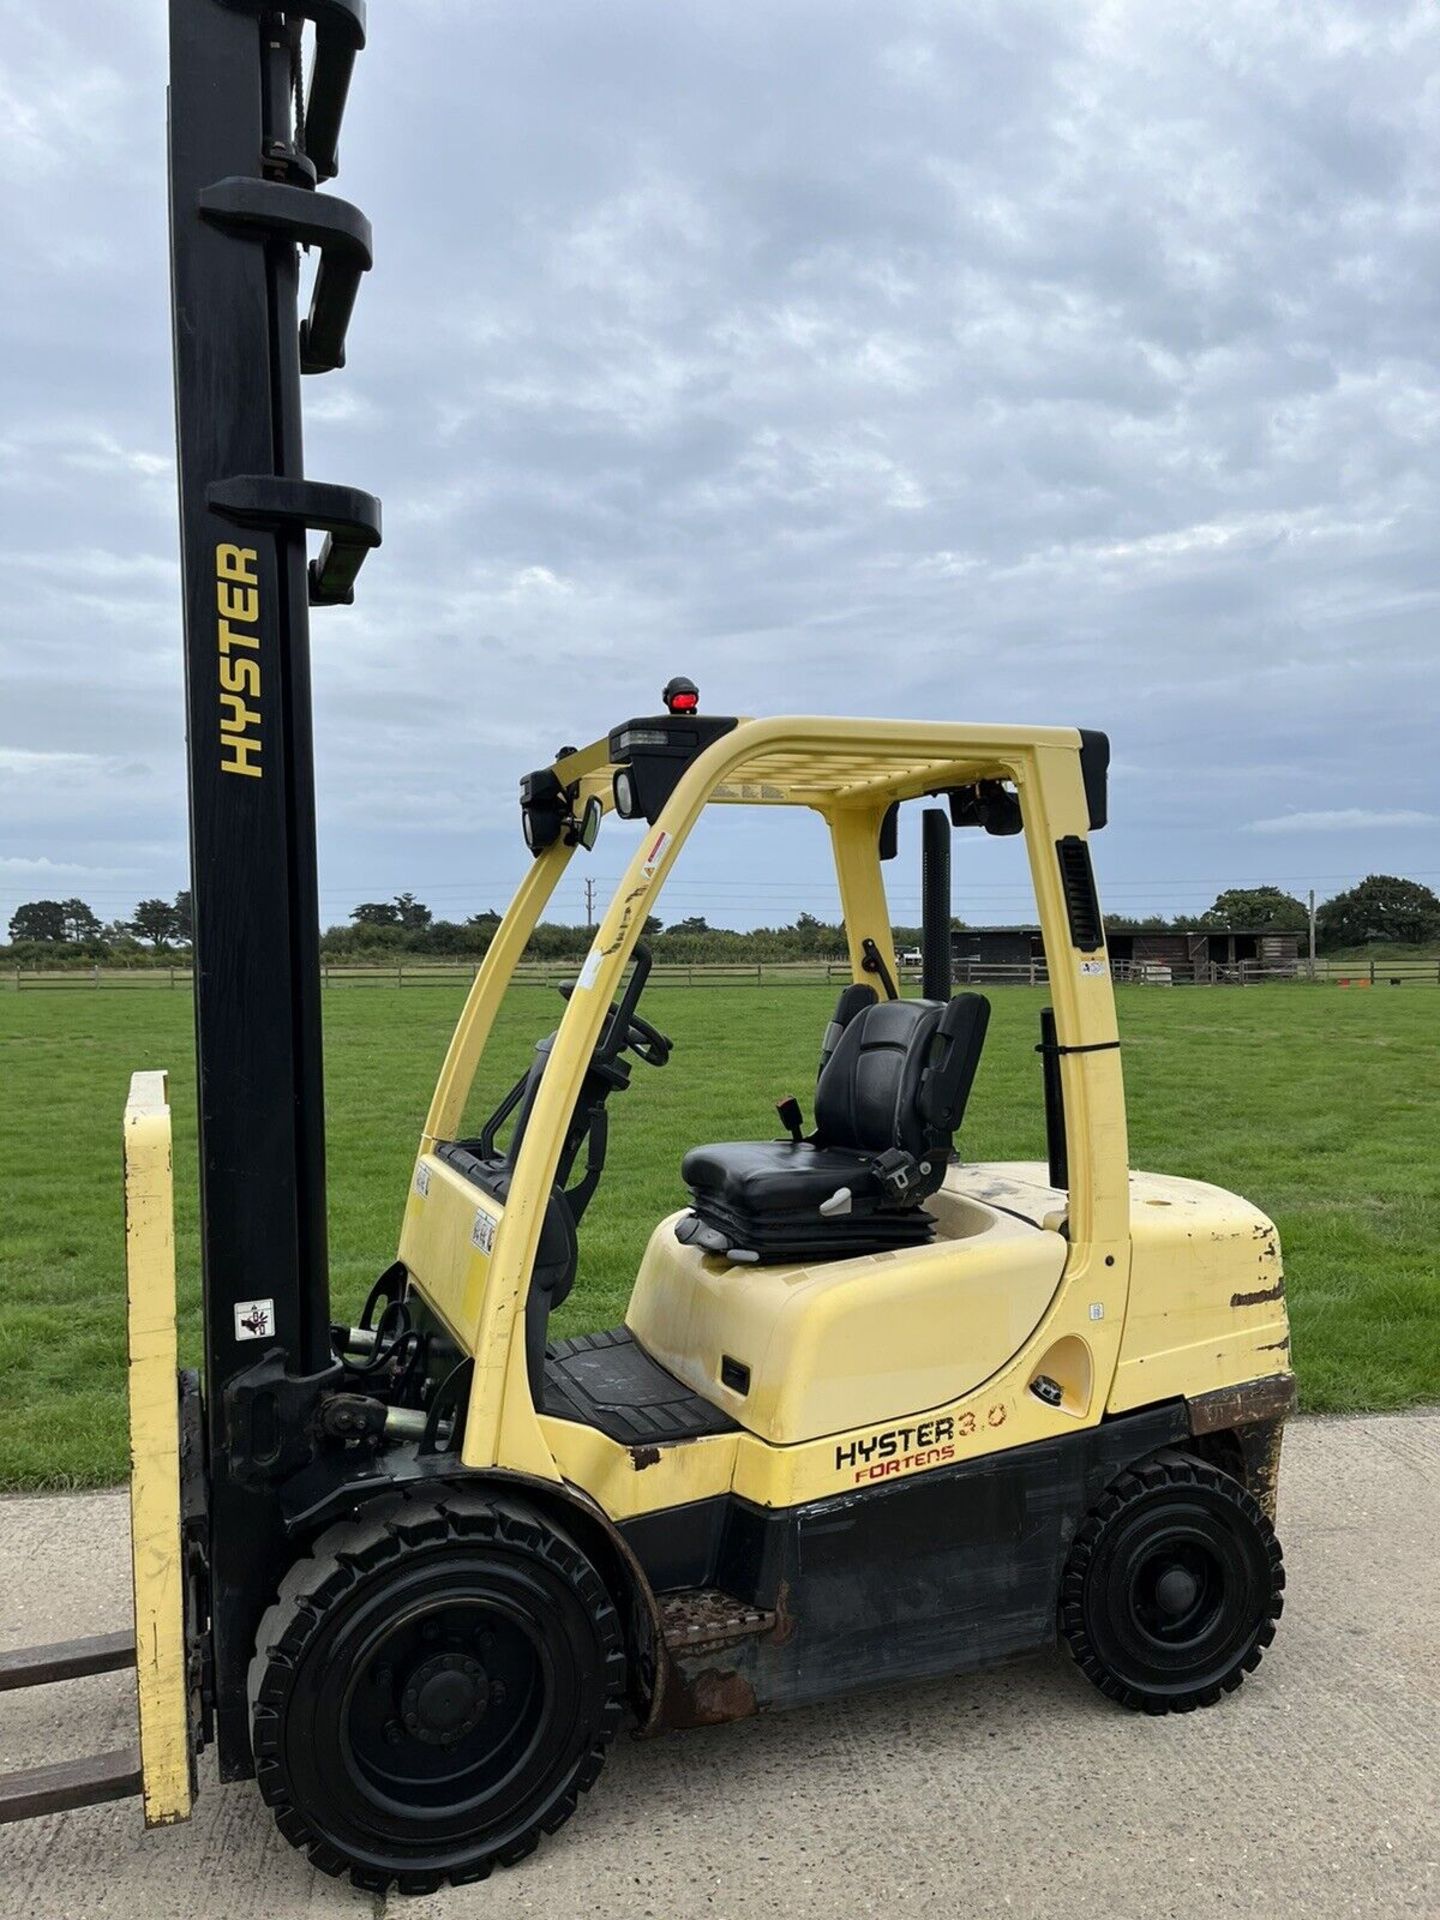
(900, 1073)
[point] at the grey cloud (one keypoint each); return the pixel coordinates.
(1024, 360)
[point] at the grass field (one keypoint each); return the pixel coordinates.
(1319, 1106)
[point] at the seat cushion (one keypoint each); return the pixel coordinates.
(774, 1176)
(866, 1096)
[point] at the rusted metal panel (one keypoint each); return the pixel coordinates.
(707, 1698)
(1271, 1398)
(1260, 1444)
(1256, 1414)
(709, 1664)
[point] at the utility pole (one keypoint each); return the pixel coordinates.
(1312, 933)
(590, 908)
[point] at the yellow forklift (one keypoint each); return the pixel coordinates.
(878, 1411)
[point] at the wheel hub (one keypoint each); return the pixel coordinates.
(1176, 1592)
(445, 1698)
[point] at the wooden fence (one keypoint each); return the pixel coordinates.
(1378, 973)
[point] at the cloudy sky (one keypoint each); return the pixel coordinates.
(1060, 362)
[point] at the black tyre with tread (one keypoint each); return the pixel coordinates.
(1173, 1586)
(435, 1685)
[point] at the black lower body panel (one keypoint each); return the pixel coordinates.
(942, 1573)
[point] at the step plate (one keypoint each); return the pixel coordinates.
(700, 1619)
(608, 1381)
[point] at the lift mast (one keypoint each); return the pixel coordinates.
(249, 144)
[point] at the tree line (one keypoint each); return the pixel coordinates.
(69, 927)
(1382, 910)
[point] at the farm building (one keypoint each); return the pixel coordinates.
(1176, 954)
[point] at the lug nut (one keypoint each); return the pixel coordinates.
(392, 1732)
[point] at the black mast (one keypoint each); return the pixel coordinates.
(243, 173)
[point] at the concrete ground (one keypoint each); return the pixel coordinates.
(1315, 1790)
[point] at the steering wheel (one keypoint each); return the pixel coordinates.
(647, 1043)
(624, 1028)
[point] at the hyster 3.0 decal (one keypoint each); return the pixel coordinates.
(929, 1443)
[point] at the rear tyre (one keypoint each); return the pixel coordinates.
(1173, 1587)
(435, 1685)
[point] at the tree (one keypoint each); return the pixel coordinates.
(411, 913)
(1381, 908)
(80, 922)
(1130, 923)
(451, 936)
(155, 921)
(375, 913)
(1253, 907)
(38, 920)
(695, 923)
(184, 918)
(403, 911)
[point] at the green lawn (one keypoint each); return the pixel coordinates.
(1317, 1104)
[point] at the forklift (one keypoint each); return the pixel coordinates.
(878, 1412)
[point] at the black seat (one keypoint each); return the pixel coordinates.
(894, 1079)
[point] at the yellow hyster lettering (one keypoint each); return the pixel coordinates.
(237, 596)
(240, 676)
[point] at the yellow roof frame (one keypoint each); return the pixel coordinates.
(827, 763)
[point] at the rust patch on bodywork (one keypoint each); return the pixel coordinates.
(711, 1641)
(1272, 1398)
(784, 1628)
(643, 1457)
(1261, 1447)
(1264, 1294)
(1255, 1414)
(708, 1699)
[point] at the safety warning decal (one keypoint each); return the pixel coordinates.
(254, 1319)
(654, 854)
(482, 1234)
(422, 1180)
(591, 969)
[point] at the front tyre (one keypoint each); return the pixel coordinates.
(1173, 1587)
(435, 1685)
